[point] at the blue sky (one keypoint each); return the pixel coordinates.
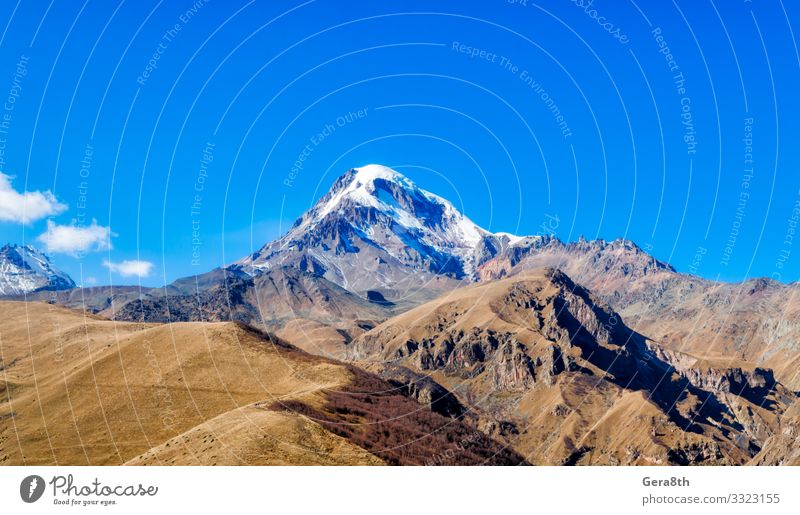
(172, 128)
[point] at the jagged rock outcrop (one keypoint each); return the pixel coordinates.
(536, 352)
(781, 447)
(423, 389)
(754, 384)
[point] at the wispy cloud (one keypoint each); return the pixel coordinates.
(130, 268)
(28, 206)
(75, 239)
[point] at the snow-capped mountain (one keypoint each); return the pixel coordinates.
(377, 230)
(23, 269)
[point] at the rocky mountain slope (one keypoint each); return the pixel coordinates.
(755, 321)
(619, 270)
(276, 300)
(554, 372)
(23, 269)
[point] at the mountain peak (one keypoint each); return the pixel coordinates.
(366, 186)
(371, 172)
(24, 269)
(376, 193)
(376, 229)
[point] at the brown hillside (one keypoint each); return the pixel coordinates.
(554, 372)
(81, 390)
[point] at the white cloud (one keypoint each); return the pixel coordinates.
(130, 268)
(28, 206)
(74, 239)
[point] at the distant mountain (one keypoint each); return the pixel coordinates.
(610, 262)
(621, 272)
(376, 244)
(376, 231)
(24, 269)
(270, 299)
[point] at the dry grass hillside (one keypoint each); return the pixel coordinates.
(83, 390)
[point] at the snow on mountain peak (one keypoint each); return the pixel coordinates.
(393, 194)
(368, 174)
(375, 228)
(24, 269)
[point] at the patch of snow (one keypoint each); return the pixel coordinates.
(369, 173)
(513, 239)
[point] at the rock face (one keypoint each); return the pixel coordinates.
(753, 384)
(755, 321)
(781, 447)
(423, 389)
(23, 269)
(510, 333)
(536, 353)
(618, 270)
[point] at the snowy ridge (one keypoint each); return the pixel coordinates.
(365, 189)
(24, 269)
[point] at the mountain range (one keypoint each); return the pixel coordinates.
(585, 352)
